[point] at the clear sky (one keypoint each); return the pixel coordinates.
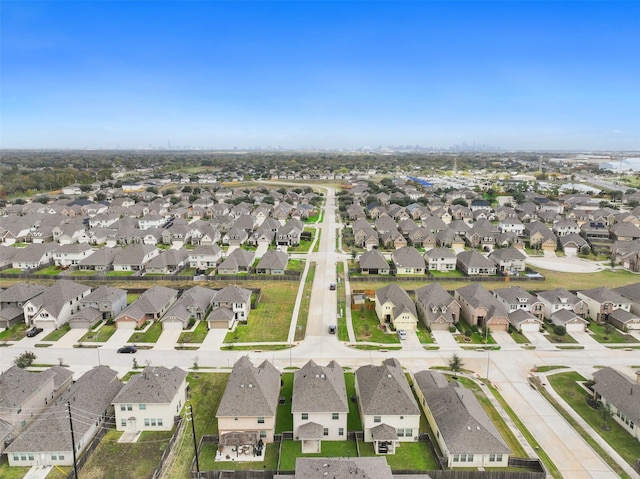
(328, 74)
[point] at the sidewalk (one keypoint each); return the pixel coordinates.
(593, 434)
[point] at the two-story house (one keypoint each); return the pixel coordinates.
(395, 307)
(53, 308)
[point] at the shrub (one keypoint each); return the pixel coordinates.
(452, 329)
(559, 330)
(468, 333)
(25, 359)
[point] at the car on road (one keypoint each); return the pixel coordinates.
(34, 332)
(402, 334)
(128, 349)
(332, 286)
(332, 329)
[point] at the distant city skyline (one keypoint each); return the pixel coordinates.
(516, 75)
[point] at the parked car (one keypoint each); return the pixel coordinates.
(402, 334)
(332, 329)
(128, 349)
(34, 332)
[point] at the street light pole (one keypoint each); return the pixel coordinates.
(486, 345)
(98, 345)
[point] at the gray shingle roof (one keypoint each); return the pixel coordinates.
(21, 292)
(17, 384)
(57, 295)
(604, 294)
(463, 423)
(384, 390)
(319, 389)
(251, 391)
(398, 297)
(620, 391)
(155, 384)
(89, 398)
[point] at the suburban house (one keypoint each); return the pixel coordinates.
(436, 308)
(319, 405)
(248, 407)
(100, 260)
(33, 256)
(230, 305)
(12, 301)
(407, 260)
(509, 260)
(41, 444)
(167, 262)
(71, 254)
(525, 322)
(151, 400)
(395, 307)
(107, 300)
(389, 412)
(134, 257)
(205, 257)
(52, 308)
(515, 298)
(373, 262)
(238, 261)
(570, 320)
(466, 435)
(473, 263)
(479, 307)
(602, 301)
(618, 392)
(150, 306)
(554, 300)
(192, 306)
(25, 394)
(440, 259)
(290, 233)
(272, 262)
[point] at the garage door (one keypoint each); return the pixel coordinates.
(498, 327)
(218, 325)
(439, 326)
(571, 252)
(573, 327)
(125, 324)
(171, 325)
(530, 328)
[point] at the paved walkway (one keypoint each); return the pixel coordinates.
(38, 472)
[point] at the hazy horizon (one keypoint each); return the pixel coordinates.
(526, 76)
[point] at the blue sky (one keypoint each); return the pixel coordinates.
(329, 74)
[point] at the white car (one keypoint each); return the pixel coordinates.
(402, 334)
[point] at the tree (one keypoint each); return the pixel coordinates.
(25, 360)
(460, 201)
(456, 365)
(605, 414)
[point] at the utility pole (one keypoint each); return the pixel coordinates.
(195, 443)
(73, 442)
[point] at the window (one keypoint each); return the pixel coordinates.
(260, 420)
(159, 421)
(142, 407)
(129, 407)
(153, 421)
(492, 458)
(30, 456)
(340, 431)
(400, 432)
(123, 407)
(305, 416)
(123, 422)
(335, 415)
(408, 432)
(61, 457)
(325, 431)
(263, 434)
(16, 457)
(23, 456)
(146, 421)
(469, 457)
(377, 419)
(456, 458)
(463, 458)
(54, 456)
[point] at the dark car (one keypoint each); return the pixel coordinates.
(332, 329)
(332, 286)
(128, 349)
(34, 332)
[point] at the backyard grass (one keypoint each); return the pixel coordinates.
(415, 456)
(284, 419)
(195, 336)
(205, 393)
(295, 265)
(354, 423)
(7, 472)
(50, 270)
(151, 335)
(131, 297)
(207, 456)
(120, 273)
(600, 334)
(60, 472)
(14, 333)
(303, 311)
(566, 385)
(516, 448)
(57, 333)
(113, 460)
(366, 327)
(291, 450)
(270, 320)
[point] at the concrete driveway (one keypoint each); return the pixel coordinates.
(168, 339)
(505, 341)
(586, 340)
(118, 339)
(539, 341)
(445, 340)
(71, 338)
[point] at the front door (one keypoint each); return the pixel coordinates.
(131, 424)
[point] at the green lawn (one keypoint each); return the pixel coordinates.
(205, 393)
(112, 460)
(195, 336)
(50, 270)
(554, 338)
(366, 327)
(7, 472)
(101, 335)
(410, 455)
(270, 320)
(476, 336)
(131, 297)
(620, 440)
(151, 335)
(284, 419)
(447, 274)
(120, 273)
(613, 335)
(354, 423)
(424, 336)
(14, 333)
(291, 450)
(303, 312)
(57, 333)
(518, 337)
(295, 265)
